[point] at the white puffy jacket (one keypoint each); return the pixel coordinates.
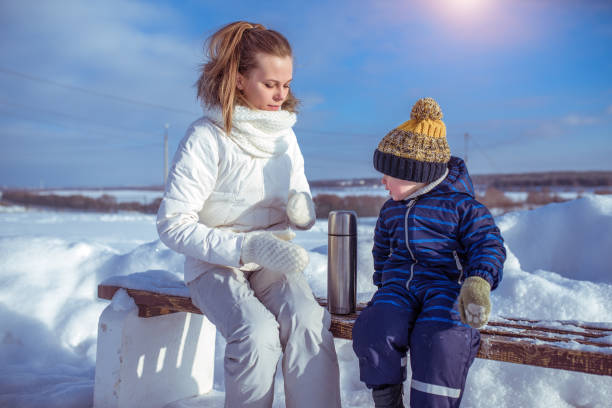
(220, 186)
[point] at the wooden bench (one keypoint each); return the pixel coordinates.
(565, 345)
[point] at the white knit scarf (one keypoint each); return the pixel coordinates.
(259, 133)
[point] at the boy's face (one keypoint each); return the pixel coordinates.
(400, 189)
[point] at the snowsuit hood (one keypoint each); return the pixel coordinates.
(457, 181)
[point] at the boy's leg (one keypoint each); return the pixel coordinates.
(310, 364)
(380, 340)
(442, 350)
(390, 396)
(253, 348)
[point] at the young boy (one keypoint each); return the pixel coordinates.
(437, 255)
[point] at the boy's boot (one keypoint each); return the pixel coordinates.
(388, 396)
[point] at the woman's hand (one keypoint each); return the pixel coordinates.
(301, 210)
(272, 253)
(286, 234)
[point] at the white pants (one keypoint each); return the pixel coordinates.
(261, 315)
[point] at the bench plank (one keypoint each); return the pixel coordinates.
(152, 304)
(520, 341)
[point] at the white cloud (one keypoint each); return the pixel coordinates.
(310, 100)
(129, 49)
(579, 120)
(112, 46)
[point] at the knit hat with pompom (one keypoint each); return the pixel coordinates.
(417, 149)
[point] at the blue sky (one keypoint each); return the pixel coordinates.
(87, 87)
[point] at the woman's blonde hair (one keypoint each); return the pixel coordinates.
(232, 50)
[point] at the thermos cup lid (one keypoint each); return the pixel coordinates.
(342, 222)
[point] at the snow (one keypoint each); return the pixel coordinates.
(51, 263)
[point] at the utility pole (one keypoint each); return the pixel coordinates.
(166, 126)
(466, 137)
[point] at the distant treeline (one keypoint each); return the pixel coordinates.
(363, 205)
(369, 206)
(553, 179)
(587, 179)
(104, 203)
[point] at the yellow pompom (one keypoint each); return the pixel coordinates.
(426, 108)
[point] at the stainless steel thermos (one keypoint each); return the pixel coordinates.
(341, 262)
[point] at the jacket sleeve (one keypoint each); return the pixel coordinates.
(298, 181)
(380, 250)
(483, 244)
(191, 180)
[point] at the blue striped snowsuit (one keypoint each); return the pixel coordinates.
(423, 249)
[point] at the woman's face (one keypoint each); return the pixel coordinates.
(266, 86)
(400, 189)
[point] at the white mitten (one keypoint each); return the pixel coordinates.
(301, 210)
(286, 235)
(272, 253)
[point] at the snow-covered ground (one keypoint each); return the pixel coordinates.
(558, 267)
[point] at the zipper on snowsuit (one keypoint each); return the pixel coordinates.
(414, 260)
(459, 266)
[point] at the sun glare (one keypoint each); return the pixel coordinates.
(466, 7)
(473, 21)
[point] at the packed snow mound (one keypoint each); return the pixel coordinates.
(572, 238)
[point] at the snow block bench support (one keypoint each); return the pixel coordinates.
(566, 345)
(151, 362)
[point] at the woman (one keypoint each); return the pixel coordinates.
(236, 187)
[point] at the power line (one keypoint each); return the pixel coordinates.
(67, 116)
(151, 105)
(143, 103)
(485, 155)
(93, 92)
(80, 148)
(25, 116)
(466, 137)
(166, 126)
(333, 133)
(63, 125)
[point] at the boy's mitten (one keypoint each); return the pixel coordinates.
(301, 211)
(272, 253)
(475, 302)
